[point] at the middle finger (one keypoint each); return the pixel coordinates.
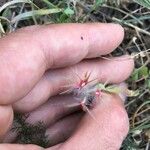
(52, 82)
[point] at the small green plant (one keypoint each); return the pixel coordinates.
(29, 133)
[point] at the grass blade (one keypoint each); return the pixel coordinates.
(40, 12)
(12, 3)
(145, 3)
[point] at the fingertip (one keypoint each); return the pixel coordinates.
(117, 34)
(116, 69)
(127, 64)
(119, 29)
(105, 37)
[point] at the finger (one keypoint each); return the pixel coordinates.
(107, 132)
(55, 133)
(62, 130)
(53, 110)
(6, 118)
(50, 112)
(19, 147)
(25, 55)
(51, 84)
(93, 39)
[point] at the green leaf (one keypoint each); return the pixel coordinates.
(131, 93)
(143, 72)
(101, 86)
(140, 73)
(99, 2)
(113, 89)
(69, 11)
(145, 3)
(134, 75)
(148, 83)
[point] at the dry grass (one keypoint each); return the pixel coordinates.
(134, 17)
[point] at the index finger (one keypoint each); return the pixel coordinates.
(28, 53)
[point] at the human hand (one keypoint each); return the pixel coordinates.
(35, 63)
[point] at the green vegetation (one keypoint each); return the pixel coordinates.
(28, 133)
(133, 15)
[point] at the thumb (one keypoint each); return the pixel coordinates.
(107, 132)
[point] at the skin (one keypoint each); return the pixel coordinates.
(34, 61)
